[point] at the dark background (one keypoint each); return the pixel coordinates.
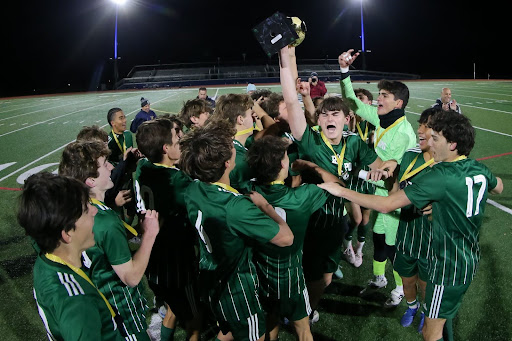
(67, 45)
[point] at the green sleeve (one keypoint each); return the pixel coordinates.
(426, 189)
(248, 220)
(365, 154)
(307, 146)
(128, 139)
(401, 143)
(115, 244)
(366, 111)
(79, 319)
(316, 197)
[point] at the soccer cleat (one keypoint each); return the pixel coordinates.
(349, 254)
(375, 283)
(422, 322)
(394, 299)
(338, 273)
(358, 260)
(314, 317)
(408, 317)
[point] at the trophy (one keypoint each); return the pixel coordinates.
(278, 31)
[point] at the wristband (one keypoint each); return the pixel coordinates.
(362, 174)
(344, 69)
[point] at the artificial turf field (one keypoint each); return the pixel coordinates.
(34, 130)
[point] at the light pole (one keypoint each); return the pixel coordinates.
(363, 50)
(116, 73)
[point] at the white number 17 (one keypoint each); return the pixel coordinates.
(470, 182)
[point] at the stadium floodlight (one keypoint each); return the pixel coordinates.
(363, 49)
(117, 3)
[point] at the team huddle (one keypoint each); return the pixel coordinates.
(245, 207)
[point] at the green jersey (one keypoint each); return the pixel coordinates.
(173, 261)
(229, 226)
(241, 172)
(118, 145)
(458, 192)
(280, 268)
(355, 153)
(70, 307)
(364, 132)
(112, 248)
(390, 144)
(413, 235)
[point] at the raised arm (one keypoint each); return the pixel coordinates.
(366, 111)
(296, 118)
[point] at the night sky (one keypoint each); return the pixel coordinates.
(48, 44)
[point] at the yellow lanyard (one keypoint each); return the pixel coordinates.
(379, 137)
(226, 187)
(128, 227)
(462, 157)
(245, 131)
(123, 148)
(408, 174)
(365, 136)
(162, 165)
(342, 154)
(277, 182)
(82, 274)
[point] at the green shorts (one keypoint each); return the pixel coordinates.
(443, 302)
(294, 308)
(408, 266)
(387, 224)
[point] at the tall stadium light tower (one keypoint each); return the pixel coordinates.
(116, 73)
(363, 50)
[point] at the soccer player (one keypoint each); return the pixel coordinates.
(119, 139)
(160, 185)
(237, 110)
(330, 151)
(282, 285)
(457, 188)
(229, 225)
(413, 235)
(55, 211)
(393, 136)
(359, 216)
(195, 112)
(113, 269)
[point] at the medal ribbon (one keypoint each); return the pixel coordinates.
(408, 174)
(245, 131)
(365, 136)
(123, 148)
(162, 165)
(462, 157)
(379, 137)
(277, 182)
(128, 227)
(226, 187)
(82, 274)
(342, 154)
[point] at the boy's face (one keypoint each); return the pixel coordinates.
(199, 121)
(441, 149)
(387, 102)
(118, 122)
(103, 181)
(202, 94)
(423, 137)
(145, 108)
(283, 112)
(82, 235)
(332, 123)
(363, 98)
(173, 151)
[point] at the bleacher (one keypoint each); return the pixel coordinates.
(195, 74)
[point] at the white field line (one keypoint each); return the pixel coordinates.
(63, 146)
(500, 206)
(467, 105)
(44, 109)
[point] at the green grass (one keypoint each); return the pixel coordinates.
(34, 130)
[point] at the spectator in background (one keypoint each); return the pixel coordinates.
(250, 88)
(446, 102)
(202, 95)
(318, 88)
(145, 114)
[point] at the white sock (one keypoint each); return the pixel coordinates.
(360, 247)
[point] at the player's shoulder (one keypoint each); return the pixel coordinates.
(53, 282)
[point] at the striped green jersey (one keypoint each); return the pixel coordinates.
(313, 148)
(125, 139)
(173, 262)
(280, 268)
(354, 182)
(229, 226)
(458, 192)
(70, 307)
(241, 173)
(413, 235)
(112, 249)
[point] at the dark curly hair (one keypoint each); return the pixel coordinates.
(264, 158)
(50, 204)
(455, 128)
